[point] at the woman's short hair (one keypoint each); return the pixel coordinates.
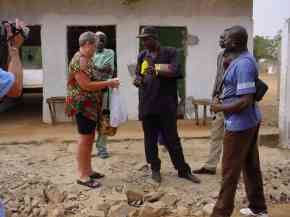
(85, 37)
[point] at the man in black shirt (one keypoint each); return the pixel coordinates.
(156, 75)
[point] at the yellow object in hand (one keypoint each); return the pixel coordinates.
(144, 67)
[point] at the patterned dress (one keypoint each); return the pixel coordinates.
(78, 100)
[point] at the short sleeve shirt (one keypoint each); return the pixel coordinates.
(78, 100)
(240, 80)
(6, 81)
(101, 59)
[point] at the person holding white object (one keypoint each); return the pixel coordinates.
(118, 110)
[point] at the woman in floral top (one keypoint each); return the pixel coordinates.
(84, 100)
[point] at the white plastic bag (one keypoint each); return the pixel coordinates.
(118, 110)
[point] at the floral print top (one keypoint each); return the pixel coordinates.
(78, 100)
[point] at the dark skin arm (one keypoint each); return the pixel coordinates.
(234, 107)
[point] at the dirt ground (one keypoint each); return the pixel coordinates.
(55, 162)
(270, 104)
(31, 150)
(23, 123)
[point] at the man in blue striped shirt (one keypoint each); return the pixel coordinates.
(242, 121)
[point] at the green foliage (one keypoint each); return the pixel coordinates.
(267, 48)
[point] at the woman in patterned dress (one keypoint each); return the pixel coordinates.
(84, 100)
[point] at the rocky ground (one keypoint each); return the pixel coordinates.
(38, 180)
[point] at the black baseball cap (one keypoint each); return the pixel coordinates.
(148, 31)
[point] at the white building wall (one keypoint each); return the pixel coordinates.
(284, 107)
(203, 18)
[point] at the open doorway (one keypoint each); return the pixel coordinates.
(29, 105)
(32, 61)
(176, 36)
(73, 33)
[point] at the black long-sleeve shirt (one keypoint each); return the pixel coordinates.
(158, 94)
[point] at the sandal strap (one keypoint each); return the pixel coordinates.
(91, 183)
(96, 175)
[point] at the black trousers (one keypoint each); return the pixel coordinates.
(167, 125)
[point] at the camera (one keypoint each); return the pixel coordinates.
(16, 36)
(22, 32)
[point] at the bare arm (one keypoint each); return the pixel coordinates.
(15, 67)
(88, 85)
(234, 107)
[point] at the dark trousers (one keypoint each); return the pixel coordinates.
(167, 125)
(161, 139)
(240, 153)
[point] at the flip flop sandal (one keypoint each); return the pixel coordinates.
(96, 175)
(89, 183)
(137, 203)
(104, 155)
